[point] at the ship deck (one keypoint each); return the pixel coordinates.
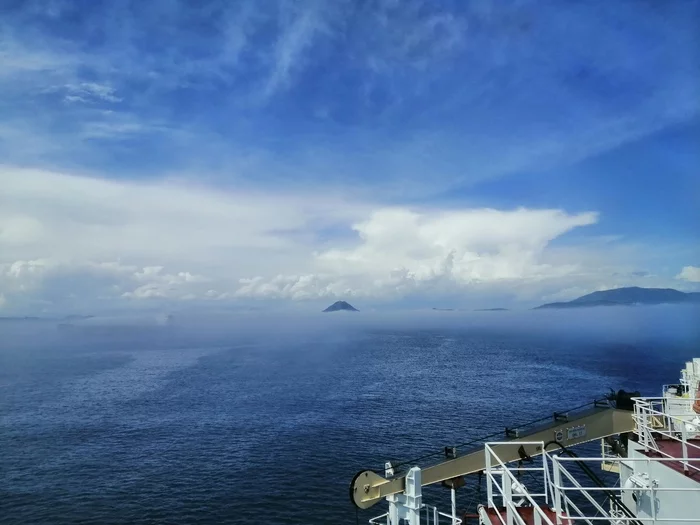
(526, 513)
(673, 448)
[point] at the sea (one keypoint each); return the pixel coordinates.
(249, 417)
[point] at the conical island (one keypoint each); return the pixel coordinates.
(341, 305)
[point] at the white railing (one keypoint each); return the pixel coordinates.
(382, 519)
(652, 418)
(432, 517)
(500, 477)
(608, 453)
(570, 495)
(436, 515)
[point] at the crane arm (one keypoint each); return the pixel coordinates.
(368, 488)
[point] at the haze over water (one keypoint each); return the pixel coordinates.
(244, 418)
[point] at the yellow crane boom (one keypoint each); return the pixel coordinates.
(368, 488)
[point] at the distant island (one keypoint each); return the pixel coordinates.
(34, 318)
(627, 297)
(341, 306)
(475, 310)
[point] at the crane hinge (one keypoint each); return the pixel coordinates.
(561, 416)
(512, 432)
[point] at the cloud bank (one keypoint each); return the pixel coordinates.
(68, 238)
(400, 252)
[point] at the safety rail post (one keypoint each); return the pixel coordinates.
(489, 474)
(545, 474)
(507, 498)
(684, 446)
(394, 501)
(645, 428)
(637, 418)
(557, 489)
(454, 504)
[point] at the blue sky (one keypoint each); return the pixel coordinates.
(174, 152)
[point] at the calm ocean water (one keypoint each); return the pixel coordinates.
(266, 422)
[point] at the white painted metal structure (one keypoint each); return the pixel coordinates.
(659, 476)
(410, 508)
(679, 399)
(666, 499)
(503, 482)
(656, 425)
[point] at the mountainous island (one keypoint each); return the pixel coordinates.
(628, 296)
(339, 306)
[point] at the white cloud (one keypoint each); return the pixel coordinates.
(568, 294)
(294, 38)
(87, 92)
(173, 240)
(90, 242)
(690, 273)
(21, 59)
(163, 239)
(181, 285)
(105, 280)
(403, 251)
(23, 276)
(147, 291)
(78, 218)
(297, 287)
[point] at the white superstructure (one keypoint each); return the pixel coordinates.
(680, 398)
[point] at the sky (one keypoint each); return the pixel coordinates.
(172, 153)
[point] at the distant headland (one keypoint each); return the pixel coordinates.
(627, 297)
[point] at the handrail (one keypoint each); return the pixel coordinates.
(377, 520)
(506, 486)
(646, 408)
(663, 398)
(561, 475)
